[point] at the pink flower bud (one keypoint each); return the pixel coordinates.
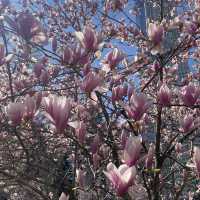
(155, 33)
(117, 93)
(38, 67)
(54, 44)
(95, 159)
(2, 54)
(124, 137)
(86, 69)
(125, 89)
(95, 144)
(150, 155)
(63, 196)
(121, 178)
(191, 27)
(178, 147)
(145, 119)
(30, 107)
(138, 106)
(15, 112)
(44, 77)
(18, 85)
(190, 94)
(38, 99)
(81, 178)
(90, 82)
(67, 56)
(187, 124)
(113, 58)
(156, 66)
(80, 56)
(132, 150)
(130, 91)
(164, 95)
(57, 110)
(88, 38)
(29, 28)
(81, 132)
(196, 159)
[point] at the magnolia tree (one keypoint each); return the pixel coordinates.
(93, 105)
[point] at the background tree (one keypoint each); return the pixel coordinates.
(92, 106)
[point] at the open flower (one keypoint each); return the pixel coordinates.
(138, 106)
(132, 150)
(190, 94)
(57, 110)
(121, 178)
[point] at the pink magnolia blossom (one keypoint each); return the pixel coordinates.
(44, 77)
(81, 178)
(138, 106)
(130, 91)
(96, 160)
(164, 95)
(88, 38)
(63, 196)
(121, 178)
(178, 147)
(67, 56)
(1, 54)
(15, 112)
(54, 44)
(190, 94)
(81, 132)
(118, 93)
(149, 158)
(79, 55)
(29, 28)
(196, 159)
(156, 34)
(30, 107)
(90, 82)
(156, 66)
(3, 58)
(124, 137)
(187, 124)
(95, 144)
(113, 58)
(191, 27)
(57, 110)
(132, 150)
(38, 67)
